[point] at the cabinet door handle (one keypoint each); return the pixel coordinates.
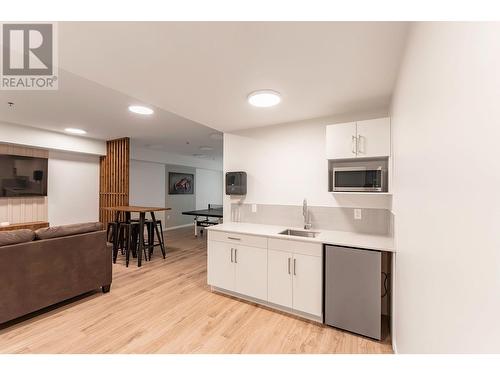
(289, 266)
(354, 142)
(294, 266)
(234, 238)
(358, 143)
(235, 255)
(232, 255)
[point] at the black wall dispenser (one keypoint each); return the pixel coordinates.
(236, 183)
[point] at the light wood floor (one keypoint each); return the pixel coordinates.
(167, 307)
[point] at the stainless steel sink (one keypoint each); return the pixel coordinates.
(299, 233)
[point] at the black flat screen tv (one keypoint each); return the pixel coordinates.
(23, 176)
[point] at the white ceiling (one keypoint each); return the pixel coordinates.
(103, 113)
(204, 71)
(200, 73)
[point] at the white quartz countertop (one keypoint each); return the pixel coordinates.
(340, 238)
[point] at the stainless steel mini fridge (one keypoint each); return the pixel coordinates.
(353, 290)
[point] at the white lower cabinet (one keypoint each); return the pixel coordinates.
(307, 284)
(251, 271)
(295, 281)
(238, 268)
(287, 274)
(279, 289)
(220, 265)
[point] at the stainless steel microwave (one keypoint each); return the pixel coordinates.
(360, 179)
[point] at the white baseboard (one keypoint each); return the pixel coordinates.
(178, 226)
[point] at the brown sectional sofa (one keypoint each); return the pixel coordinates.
(39, 269)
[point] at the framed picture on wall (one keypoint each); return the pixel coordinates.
(180, 183)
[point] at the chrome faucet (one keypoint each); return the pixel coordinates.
(305, 212)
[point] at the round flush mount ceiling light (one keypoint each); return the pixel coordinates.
(140, 109)
(75, 131)
(264, 98)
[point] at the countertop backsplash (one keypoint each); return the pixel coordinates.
(373, 221)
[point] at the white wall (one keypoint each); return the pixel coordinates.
(73, 188)
(33, 137)
(155, 156)
(446, 190)
(147, 185)
(208, 188)
(287, 163)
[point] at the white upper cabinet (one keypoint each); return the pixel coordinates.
(341, 141)
(362, 139)
(374, 138)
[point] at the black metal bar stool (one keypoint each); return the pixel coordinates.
(158, 227)
(149, 242)
(131, 241)
(114, 234)
(112, 231)
(153, 226)
(124, 236)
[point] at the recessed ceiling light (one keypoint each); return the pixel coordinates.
(75, 131)
(140, 109)
(206, 148)
(264, 98)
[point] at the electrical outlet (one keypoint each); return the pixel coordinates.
(357, 214)
(254, 207)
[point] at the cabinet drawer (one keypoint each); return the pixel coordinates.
(298, 247)
(238, 239)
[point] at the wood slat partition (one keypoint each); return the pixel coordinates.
(114, 177)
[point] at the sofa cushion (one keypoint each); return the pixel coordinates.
(67, 230)
(12, 237)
